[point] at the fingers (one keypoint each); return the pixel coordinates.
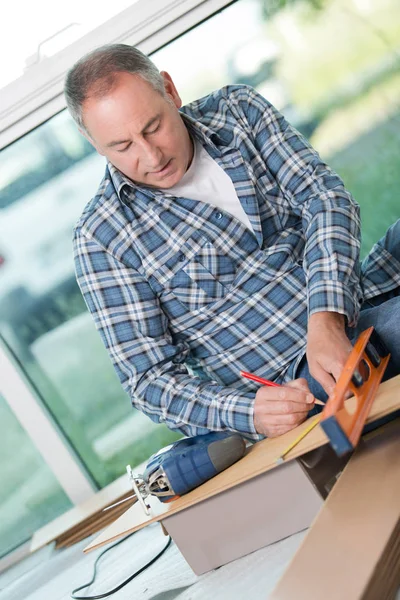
(277, 410)
(328, 348)
(286, 407)
(296, 391)
(274, 425)
(300, 384)
(292, 419)
(327, 381)
(336, 369)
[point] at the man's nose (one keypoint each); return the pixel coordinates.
(151, 155)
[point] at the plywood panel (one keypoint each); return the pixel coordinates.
(352, 550)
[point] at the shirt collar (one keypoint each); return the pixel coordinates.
(199, 131)
(119, 179)
(202, 132)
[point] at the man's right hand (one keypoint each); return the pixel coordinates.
(280, 409)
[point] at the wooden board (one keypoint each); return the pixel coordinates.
(93, 523)
(261, 457)
(352, 550)
(85, 519)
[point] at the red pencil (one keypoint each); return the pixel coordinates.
(259, 379)
(270, 383)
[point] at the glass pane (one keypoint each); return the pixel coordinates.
(30, 495)
(46, 180)
(71, 21)
(332, 67)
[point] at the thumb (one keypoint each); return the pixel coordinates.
(325, 379)
(299, 384)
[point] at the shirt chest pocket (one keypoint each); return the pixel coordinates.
(202, 274)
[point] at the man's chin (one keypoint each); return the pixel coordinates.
(159, 185)
(166, 182)
(159, 181)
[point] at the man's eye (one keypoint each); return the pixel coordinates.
(153, 130)
(125, 149)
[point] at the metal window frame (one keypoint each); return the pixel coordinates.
(27, 103)
(22, 400)
(38, 94)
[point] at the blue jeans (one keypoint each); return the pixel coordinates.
(383, 313)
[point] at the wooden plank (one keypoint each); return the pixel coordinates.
(352, 550)
(95, 523)
(261, 457)
(89, 513)
(79, 516)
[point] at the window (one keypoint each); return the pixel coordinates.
(331, 67)
(62, 25)
(30, 495)
(49, 176)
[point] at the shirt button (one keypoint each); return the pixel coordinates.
(218, 216)
(181, 257)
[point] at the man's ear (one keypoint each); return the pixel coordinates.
(170, 89)
(91, 141)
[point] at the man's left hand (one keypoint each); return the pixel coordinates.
(328, 348)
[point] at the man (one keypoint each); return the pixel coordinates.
(219, 241)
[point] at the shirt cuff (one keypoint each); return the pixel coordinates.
(334, 296)
(238, 415)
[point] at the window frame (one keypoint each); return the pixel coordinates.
(37, 95)
(40, 427)
(27, 103)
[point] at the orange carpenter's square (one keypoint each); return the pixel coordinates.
(361, 375)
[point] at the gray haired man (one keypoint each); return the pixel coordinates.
(219, 242)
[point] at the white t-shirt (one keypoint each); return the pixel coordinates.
(205, 180)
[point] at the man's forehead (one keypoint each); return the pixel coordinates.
(131, 103)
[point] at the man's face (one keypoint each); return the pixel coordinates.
(140, 131)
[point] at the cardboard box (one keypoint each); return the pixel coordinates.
(243, 519)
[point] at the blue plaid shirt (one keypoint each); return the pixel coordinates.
(185, 296)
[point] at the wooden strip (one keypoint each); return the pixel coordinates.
(88, 511)
(97, 522)
(261, 457)
(351, 551)
(93, 519)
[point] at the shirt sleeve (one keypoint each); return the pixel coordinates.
(151, 369)
(330, 216)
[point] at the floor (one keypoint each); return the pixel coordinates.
(52, 575)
